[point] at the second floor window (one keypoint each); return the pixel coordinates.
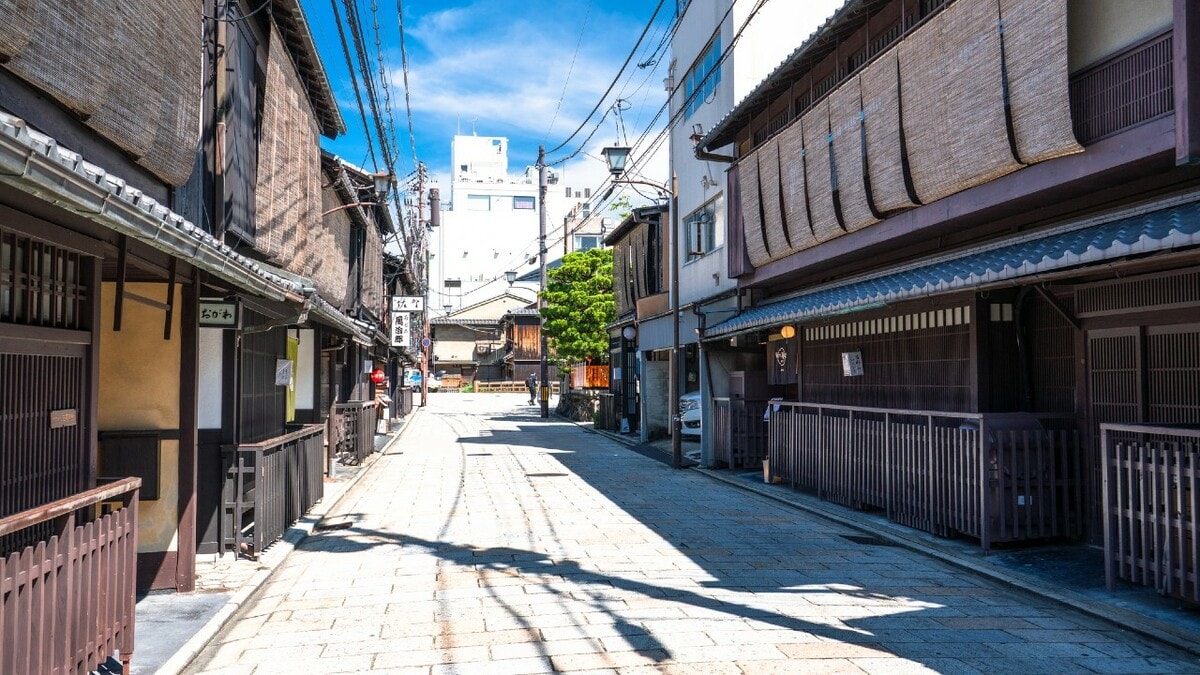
(524, 204)
(703, 230)
(703, 77)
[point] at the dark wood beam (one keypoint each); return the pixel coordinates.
(1186, 70)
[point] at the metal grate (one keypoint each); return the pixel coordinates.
(1164, 291)
(1132, 87)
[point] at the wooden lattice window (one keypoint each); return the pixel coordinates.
(41, 284)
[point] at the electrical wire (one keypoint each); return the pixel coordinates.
(354, 82)
(412, 137)
(570, 70)
(616, 79)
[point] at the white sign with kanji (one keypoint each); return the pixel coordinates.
(408, 303)
(401, 329)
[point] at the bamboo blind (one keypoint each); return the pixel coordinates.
(1035, 43)
(818, 173)
(756, 244)
(935, 105)
(373, 296)
(331, 269)
(772, 207)
(881, 107)
(289, 176)
(131, 71)
(795, 202)
(845, 114)
(17, 28)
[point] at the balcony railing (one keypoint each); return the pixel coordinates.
(1152, 507)
(67, 602)
(997, 478)
(358, 431)
(269, 486)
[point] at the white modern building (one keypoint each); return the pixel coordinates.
(721, 51)
(490, 224)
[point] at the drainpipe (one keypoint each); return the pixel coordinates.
(706, 451)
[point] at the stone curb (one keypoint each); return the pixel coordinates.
(293, 537)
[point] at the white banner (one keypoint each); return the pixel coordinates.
(401, 329)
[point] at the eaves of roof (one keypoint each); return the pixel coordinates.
(34, 163)
(1072, 245)
(724, 131)
(294, 29)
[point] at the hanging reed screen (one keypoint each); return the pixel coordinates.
(130, 70)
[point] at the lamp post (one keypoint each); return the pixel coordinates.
(616, 157)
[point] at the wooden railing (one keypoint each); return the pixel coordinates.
(507, 387)
(358, 430)
(269, 486)
(404, 401)
(67, 603)
(609, 414)
(996, 478)
(1151, 499)
(740, 434)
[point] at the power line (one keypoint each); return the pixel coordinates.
(616, 79)
(354, 82)
(412, 138)
(570, 70)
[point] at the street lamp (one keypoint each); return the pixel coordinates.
(616, 157)
(510, 277)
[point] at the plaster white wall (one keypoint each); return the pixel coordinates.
(768, 38)
(305, 368)
(212, 370)
(1098, 28)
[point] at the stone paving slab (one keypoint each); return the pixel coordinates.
(503, 543)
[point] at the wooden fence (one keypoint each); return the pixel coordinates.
(740, 439)
(997, 478)
(509, 387)
(358, 430)
(609, 414)
(1151, 501)
(269, 486)
(67, 603)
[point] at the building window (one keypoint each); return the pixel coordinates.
(586, 242)
(479, 203)
(703, 229)
(524, 204)
(703, 77)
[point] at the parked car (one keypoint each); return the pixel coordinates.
(689, 413)
(412, 378)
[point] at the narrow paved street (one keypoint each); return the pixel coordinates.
(490, 541)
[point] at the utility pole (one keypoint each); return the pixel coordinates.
(426, 342)
(676, 360)
(545, 368)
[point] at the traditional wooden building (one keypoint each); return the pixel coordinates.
(472, 342)
(151, 221)
(640, 283)
(965, 237)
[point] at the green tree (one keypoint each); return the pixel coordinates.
(579, 304)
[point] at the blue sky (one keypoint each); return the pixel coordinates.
(500, 68)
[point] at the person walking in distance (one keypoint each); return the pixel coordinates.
(531, 385)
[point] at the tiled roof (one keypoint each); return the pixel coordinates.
(35, 163)
(1163, 229)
